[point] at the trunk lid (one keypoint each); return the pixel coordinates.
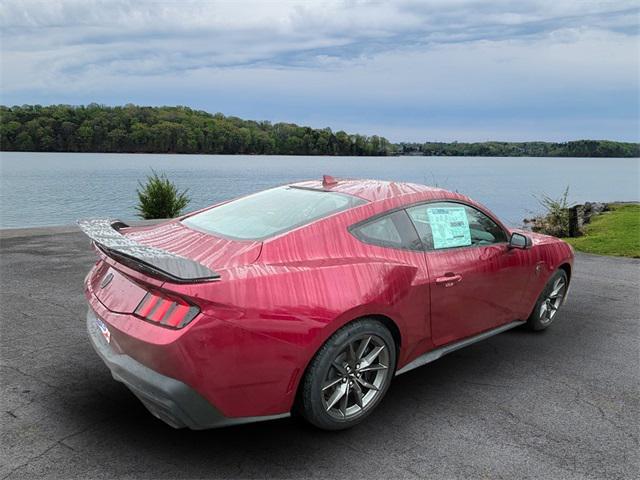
(137, 260)
(116, 291)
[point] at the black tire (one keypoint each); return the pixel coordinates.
(329, 366)
(539, 318)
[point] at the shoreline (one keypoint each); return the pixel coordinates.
(305, 155)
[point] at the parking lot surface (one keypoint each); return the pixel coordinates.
(563, 403)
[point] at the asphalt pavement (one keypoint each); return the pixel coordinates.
(563, 403)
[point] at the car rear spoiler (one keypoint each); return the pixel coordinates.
(105, 234)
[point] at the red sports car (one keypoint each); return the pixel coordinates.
(309, 298)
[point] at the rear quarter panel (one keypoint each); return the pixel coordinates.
(350, 279)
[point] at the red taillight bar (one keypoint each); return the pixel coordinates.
(146, 305)
(166, 311)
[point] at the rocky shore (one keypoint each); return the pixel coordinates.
(570, 221)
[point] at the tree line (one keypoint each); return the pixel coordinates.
(136, 129)
(578, 148)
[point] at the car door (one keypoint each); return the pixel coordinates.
(392, 236)
(476, 280)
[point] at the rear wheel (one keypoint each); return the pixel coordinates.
(349, 375)
(549, 302)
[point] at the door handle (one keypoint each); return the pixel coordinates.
(449, 279)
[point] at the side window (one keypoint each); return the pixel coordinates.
(450, 225)
(484, 231)
(393, 230)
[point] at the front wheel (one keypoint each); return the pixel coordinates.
(349, 375)
(549, 302)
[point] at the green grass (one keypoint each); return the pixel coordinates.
(616, 232)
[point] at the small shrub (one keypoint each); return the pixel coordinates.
(556, 219)
(160, 198)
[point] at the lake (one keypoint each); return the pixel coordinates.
(40, 189)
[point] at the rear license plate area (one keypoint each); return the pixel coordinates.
(117, 292)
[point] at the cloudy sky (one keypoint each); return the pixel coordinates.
(406, 69)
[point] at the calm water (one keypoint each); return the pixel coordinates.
(38, 189)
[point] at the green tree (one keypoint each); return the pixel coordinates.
(160, 198)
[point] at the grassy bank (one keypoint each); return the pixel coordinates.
(616, 232)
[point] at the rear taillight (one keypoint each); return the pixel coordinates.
(167, 311)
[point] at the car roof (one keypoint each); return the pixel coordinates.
(385, 195)
(379, 190)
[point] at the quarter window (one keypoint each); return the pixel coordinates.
(451, 225)
(393, 230)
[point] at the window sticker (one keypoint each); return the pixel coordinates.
(449, 227)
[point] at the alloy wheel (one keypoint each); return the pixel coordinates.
(552, 302)
(356, 376)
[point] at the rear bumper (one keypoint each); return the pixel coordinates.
(166, 398)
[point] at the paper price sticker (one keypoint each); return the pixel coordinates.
(449, 227)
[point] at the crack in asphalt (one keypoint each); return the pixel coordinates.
(53, 445)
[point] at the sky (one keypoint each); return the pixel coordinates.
(431, 70)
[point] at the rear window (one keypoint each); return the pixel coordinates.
(268, 213)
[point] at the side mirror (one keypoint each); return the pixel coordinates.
(518, 240)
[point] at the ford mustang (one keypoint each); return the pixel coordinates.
(309, 298)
